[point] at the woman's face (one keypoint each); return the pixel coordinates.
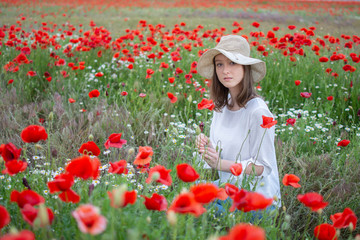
(230, 74)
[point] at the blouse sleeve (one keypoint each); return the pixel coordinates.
(261, 141)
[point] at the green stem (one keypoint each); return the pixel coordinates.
(262, 138)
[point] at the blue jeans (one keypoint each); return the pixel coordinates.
(221, 206)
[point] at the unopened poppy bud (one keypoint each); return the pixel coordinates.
(148, 219)
(184, 190)
(214, 237)
(38, 146)
(189, 98)
(263, 184)
(13, 230)
(118, 195)
(287, 218)
(319, 211)
(351, 227)
(275, 197)
(198, 130)
(51, 116)
(338, 232)
(155, 176)
(91, 137)
(357, 237)
(284, 208)
(171, 217)
(131, 151)
(42, 218)
(1, 160)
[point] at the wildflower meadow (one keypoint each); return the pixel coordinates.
(101, 103)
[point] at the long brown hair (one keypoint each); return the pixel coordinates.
(220, 94)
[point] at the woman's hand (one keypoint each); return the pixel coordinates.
(210, 155)
(201, 141)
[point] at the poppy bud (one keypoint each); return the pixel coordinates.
(39, 147)
(171, 217)
(42, 218)
(198, 130)
(189, 98)
(118, 195)
(155, 176)
(91, 137)
(131, 151)
(148, 219)
(51, 116)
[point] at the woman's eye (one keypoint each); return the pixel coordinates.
(218, 65)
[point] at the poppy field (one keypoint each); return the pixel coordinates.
(101, 103)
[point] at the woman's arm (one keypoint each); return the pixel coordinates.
(211, 156)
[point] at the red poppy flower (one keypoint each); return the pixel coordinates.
(185, 203)
(344, 219)
(171, 79)
(9, 152)
(330, 98)
(119, 198)
(10, 81)
(186, 172)
(222, 195)
(14, 167)
(256, 24)
(297, 82)
(118, 167)
(130, 66)
(172, 98)
(94, 93)
(290, 121)
(159, 174)
(343, 143)
(26, 197)
(261, 48)
(89, 219)
(204, 192)
(89, 148)
(312, 200)
(291, 180)
(249, 201)
(31, 216)
(71, 100)
(115, 141)
(206, 104)
(84, 167)
(245, 231)
(291, 27)
(149, 72)
(124, 93)
(231, 190)
(156, 202)
(144, 156)
(62, 183)
(69, 196)
(23, 235)
(142, 95)
(31, 73)
(268, 122)
(33, 134)
(325, 231)
(323, 59)
(305, 94)
(236, 169)
(4, 217)
(270, 34)
(99, 74)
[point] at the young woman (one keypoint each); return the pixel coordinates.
(235, 131)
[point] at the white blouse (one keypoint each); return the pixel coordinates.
(239, 136)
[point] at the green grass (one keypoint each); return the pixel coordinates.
(309, 149)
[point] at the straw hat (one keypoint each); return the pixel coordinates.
(237, 49)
